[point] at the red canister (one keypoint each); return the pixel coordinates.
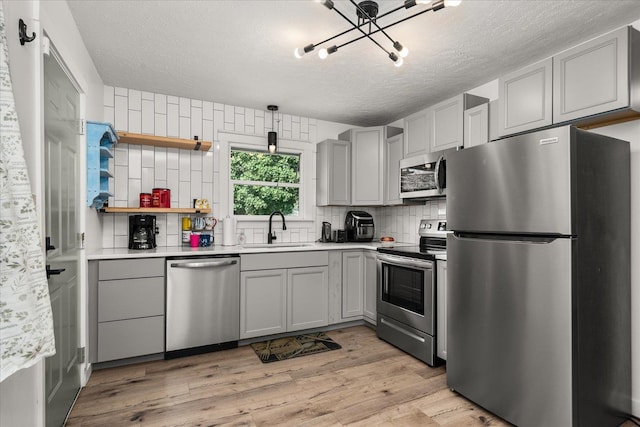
(145, 200)
(161, 198)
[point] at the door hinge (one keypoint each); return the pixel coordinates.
(81, 240)
(81, 354)
(81, 127)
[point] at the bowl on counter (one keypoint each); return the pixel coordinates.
(387, 242)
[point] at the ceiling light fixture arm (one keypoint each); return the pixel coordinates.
(371, 19)
(365, 34)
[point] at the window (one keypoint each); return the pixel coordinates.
(263, 183)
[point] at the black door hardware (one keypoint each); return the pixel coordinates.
(51, 272)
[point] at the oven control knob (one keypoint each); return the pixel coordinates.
(429, 226)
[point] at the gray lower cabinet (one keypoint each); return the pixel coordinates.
(126, 299)
(525, 99)
(596, 76)
(370, 286)
(352, 284)
(283, 292)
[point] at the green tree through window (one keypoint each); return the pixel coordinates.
(263, 183)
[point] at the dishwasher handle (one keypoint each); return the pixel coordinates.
(206, 264)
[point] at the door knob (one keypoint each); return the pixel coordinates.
(52, 272)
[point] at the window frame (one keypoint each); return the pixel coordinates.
(227, 140)
(299, 185)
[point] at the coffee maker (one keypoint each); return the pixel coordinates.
(142, 232)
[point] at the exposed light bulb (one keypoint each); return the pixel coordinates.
(322, 53)
(404, 52)
(272, 148)
(452, 3)
(423, 1)
(398, 62)
(298, 53)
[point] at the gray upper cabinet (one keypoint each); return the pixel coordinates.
(417, 133)
(447, 121)
(476, 125)
(367, 163)
(525, 99)
(333, 169)
(393, 152)
(596, 76)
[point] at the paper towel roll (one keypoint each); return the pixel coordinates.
(228, 231)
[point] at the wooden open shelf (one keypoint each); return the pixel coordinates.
(156, 210)
(163, 141)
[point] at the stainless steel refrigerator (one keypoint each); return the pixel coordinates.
(539, 311)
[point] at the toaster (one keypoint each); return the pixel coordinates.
(359, 226)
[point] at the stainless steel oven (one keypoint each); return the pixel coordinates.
(406, 298)
(406, 304)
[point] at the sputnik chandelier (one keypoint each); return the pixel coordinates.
(367, 12)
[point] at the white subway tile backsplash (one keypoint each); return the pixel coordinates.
(121, 225)
(148, 125)
(135, 188)
(160, 163)
(148, 156)
(108, 115)
(196, 121)
(207, 110)
(207, 130)
(185, 128)
(109, 95)
(185, 198)
(135, 161)
(239, 122)
(259, 123)
(229, 114)
(185, 107)
(160, 125)
(135, 98)
(173, 159)
(148, 180)
(173, 124)
(196, 185)
(249, 116)
(135, 121)
(185, 165)
(121, 113)
(190, 174)
(160, 103)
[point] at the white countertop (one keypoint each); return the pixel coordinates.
(170, 251)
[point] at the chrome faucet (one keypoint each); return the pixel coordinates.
(272, 235)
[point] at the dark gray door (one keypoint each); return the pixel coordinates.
(62, 162)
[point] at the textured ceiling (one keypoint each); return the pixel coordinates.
(241, 52)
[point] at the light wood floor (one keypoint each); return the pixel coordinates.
(368, 382)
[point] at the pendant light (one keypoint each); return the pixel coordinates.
(272, 136)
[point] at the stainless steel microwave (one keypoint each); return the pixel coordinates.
(424, 176)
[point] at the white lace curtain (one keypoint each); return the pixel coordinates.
(26, 322)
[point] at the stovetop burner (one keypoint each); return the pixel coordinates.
(433, 241)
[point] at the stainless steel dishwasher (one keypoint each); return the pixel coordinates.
(203, 304)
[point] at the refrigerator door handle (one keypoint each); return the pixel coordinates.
(437, 174)
(542, 239)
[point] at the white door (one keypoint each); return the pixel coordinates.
(62, 199)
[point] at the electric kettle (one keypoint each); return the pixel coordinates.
(325, 235)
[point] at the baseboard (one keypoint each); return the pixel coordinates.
(85, 374)
(635, 407)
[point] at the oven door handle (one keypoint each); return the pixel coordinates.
(405, 262)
